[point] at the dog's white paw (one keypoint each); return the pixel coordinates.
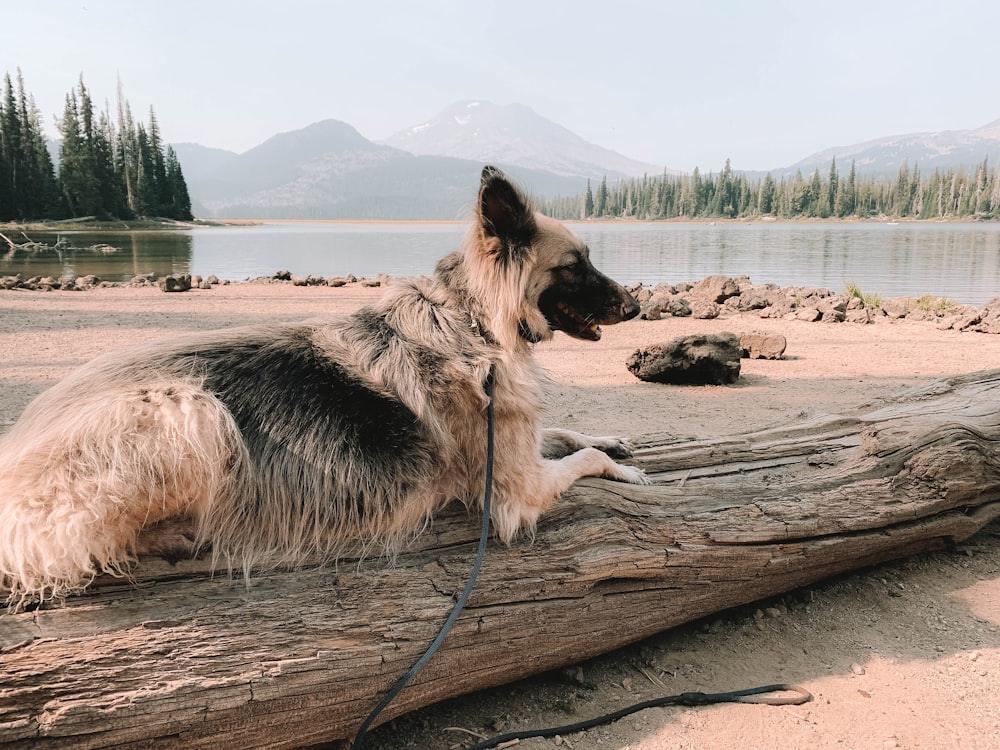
(631, 474)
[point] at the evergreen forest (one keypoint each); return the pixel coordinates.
(108, 167)
(970, 194)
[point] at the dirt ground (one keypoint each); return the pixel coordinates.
(905, 655)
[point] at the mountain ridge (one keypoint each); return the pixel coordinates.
(929, 150)
(330, 170)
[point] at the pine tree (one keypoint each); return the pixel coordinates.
(163, 197)
(695, 195)
(588, 203)
(815, 196)
(798, 203)
(127, 152)
(915, 194)
(69, 149)
(765, 196)
(45, 198)
(180, 202)
(147, 196)
(849, 204)
(832, 190)
(78, 171)
(28, 188)
(601, 200)
(10, 151)
(994, 194)
(981, 199)
(901, 191)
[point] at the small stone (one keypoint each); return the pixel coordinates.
(857, 669)
(704, 309)
(651, 312)
(179, 282)
(716, 288)
(761, 345)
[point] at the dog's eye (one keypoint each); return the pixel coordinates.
(572, 264)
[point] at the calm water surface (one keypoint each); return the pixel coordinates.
(957, 261)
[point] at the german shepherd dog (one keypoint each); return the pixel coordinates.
(285, 442)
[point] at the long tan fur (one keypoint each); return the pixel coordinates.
(286, 442)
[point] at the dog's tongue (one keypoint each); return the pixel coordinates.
(585, 329)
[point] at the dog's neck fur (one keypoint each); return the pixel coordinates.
(451, 280)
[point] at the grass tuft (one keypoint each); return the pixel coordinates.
(930, 303)
(868, 299)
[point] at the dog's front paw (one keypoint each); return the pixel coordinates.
(615, 447)
(631, 474)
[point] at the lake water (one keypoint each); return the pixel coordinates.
(957, 261)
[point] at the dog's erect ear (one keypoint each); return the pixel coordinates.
(504, 212)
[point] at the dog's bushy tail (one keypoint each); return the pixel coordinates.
(75, 489)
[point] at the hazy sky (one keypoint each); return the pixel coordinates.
(763, 83)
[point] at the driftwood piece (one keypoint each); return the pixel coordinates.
(178, 658)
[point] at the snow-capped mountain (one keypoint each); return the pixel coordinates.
(517, 135)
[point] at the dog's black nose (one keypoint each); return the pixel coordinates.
(630, 308)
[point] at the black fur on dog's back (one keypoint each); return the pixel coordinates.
(299, 413)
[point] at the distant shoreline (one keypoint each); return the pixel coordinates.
(116, 226)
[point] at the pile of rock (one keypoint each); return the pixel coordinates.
(335, 281)
(179, 282)
(712, 297)
(77, 284)
(719, 296)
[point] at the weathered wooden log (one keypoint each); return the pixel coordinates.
(179, 658)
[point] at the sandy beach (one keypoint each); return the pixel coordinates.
(905, 655)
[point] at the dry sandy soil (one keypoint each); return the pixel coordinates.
(904, 655)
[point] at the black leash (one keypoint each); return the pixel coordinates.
(793, 695)
(460, 603)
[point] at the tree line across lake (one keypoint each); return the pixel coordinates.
(108, 167)
(955, 193)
